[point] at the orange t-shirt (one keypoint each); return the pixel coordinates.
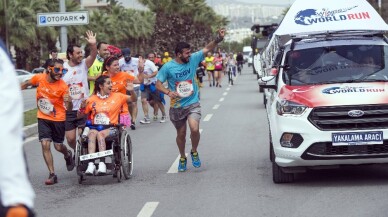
(105, 111)
(119, 84)
(49, 97)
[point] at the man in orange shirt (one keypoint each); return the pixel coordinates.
(53, 100)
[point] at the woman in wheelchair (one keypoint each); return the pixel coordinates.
(103, 108)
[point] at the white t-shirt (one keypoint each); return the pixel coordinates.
(77, 80)
(149, 68)
(15, 187)
(131, 67)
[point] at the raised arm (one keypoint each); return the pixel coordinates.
(213, 44)
(140, 77)
(91, 38)
(133, 96)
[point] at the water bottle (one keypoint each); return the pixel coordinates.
(85, 133)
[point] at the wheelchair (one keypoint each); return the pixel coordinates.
(118, 149)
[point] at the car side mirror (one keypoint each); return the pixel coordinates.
(267, 82)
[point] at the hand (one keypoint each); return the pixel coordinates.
(141, 62)
(221, 33)
(173, 94)
(66, 98)
(83, 104)
(129, 86)
(18, 211)
(91, 38)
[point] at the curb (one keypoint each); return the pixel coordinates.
(30, 130)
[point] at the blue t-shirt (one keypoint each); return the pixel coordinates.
(181, 78)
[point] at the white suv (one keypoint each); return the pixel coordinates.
(329, 104)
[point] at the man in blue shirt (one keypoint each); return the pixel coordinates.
(183, 91)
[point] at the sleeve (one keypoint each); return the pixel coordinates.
(129, 77)
(152, 65)
(162, 74)
(197, 57)
(35, 79)
(14, 184)
(88, 107)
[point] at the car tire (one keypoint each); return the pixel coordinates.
(279, 176)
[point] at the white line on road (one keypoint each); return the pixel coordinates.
(216, 106)
(148, 209)
(29, 139)
(227, 89)
(226, 93)
(207, 117)
(222, 99)
(174, 166)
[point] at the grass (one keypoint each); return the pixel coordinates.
(30, 117)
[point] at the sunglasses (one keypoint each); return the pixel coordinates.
(59, 70)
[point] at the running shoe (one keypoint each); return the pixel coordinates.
(52, 179)
(101, 168)
(182, 164)
(69, 161)
(133, 126)
(155, 118)
(145, 121)
(91, 170)
(163, 119)
(195, 159)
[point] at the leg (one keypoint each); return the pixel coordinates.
(61, 148)
(181, 139)
(144, 104)
(209, 75)
(220, 74)
(48, 157)
(161, 107)
(194, 133)
(71, 138)
(92, 137)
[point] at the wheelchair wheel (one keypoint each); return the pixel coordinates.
(126, 155)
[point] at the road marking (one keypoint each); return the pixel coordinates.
(200, 130)
(225, 94)
(148, 209)
(228, 88)
(216, 106)
(207, 117)
(174, 166)
(222, 99)
(29, 139)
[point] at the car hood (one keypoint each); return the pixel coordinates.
(336, 94)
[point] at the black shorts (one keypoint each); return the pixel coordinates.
(51, 130)
(72, 122)
(149, 95)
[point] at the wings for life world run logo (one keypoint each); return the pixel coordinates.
(313, 16)
(337, 90)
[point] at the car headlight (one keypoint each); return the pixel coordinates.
(285, 107)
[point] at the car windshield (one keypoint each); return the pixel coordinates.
(336, 64)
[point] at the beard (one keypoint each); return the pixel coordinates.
(184, 60)
(53, 77)
(127, 59)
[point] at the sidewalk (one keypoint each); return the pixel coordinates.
(30, 130)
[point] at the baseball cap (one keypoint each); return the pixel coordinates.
(126, 52)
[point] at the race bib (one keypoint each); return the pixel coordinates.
(76, 91)
(45, 106)
(101, 118)
(184, 88)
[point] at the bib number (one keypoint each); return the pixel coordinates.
(45, 106)
(184, 88)
(102, 119)
(76, 91)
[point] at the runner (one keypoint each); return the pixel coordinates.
(16, 193)
(166, 58)
(210, 68)
(218, 67)
(185, 107)
(103, 107)
(77, 80)
(53, 100)
(149, 93)
(96, 69)
(54, 56)
(130, 65)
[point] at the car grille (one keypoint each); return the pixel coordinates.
(326, 151)
(337, 118)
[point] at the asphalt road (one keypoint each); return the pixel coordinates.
(29, 99)
(235, 178)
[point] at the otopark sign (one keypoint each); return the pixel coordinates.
(63, 18)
